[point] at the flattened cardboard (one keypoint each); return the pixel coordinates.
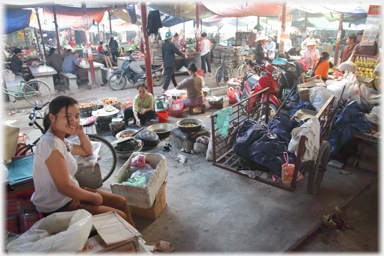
(304, 88)
(112, 228)
(95, 244)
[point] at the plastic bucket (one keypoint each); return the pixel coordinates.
(163, 116)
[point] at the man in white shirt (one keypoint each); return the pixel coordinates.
(270, 48)
(305, 42)
(244, 50)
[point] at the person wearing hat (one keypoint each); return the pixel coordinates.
(310, 38)
(311, 54)
(168, 51)
(270, 48)
(50, 43)
(260, 39)
(55, 60)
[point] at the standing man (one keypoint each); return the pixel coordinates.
(270, 48)
(168, 53)
(205, 46)
(359, 36)
(347, 50)
(113, 46)
(304, 43)
(176, 41)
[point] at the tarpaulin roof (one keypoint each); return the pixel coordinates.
(242, 9)
(15, 19)
(122, 12)
(73, 17)
(183, 10)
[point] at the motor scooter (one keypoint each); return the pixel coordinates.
(133, 72)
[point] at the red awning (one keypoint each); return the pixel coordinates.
(72, 16)
(263, 9)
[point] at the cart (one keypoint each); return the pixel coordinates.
(255, 107)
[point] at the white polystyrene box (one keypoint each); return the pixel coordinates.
(142, 197)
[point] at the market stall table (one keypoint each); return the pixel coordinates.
(97, 67)
(44, 73)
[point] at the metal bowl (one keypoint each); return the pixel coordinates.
(130, 131)
(163, 130)
(126, 154)
(196, 121)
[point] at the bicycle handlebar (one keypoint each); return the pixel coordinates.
(32, 116)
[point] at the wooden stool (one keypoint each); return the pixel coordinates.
(202, 109)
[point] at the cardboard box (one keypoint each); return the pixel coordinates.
(303, 89)
(142, 197)
(369, 82)
(153, 212)
(114, 235)
(303, 114)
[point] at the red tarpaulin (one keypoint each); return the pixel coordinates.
(73, 17)
(244, 9)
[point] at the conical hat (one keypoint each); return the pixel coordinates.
(311, 42)
(261, 37)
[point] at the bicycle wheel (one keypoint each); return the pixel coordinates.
(107, 156)
(242, 69)
(158, 78)
(223, 74)
(117, 81)
(37, 90)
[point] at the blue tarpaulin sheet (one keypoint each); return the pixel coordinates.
(16, 19)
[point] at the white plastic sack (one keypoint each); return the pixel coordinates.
(369, 97)
(351, 91)
(318, 96)
(374, 116)
(58, 232)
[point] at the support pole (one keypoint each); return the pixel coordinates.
(283, 20)
(338, 39)
(266, 25)
(147, 52)
(104, 37)
(57, 32)
(90, 57)
(37, 41)
(197, 27)
(25, 38)
(305, 24)
(237, 23)
(110, 24)
(41, 32)
(98, 32)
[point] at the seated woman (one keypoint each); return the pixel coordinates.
(54, 167)
(250, 69)
(323, 65)
(142, 110)
(194, 86)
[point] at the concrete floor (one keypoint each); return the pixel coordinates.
(212, 210)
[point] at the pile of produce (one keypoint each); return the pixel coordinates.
(108, 101)
(87, 105)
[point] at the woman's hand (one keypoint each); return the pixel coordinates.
(79, 130)
(142, 112)
(138, 122)
(97, 199)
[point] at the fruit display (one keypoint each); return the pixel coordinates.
(87, 105)
(366, 66)
(108, 101)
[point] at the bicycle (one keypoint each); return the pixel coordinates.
(32, 91)
(107, 156)
(226, 72)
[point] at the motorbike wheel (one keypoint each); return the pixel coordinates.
(158, 78)
(117, 82)
(259, 114)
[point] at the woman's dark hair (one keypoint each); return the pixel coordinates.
(250, 62)
(281, 55)
(192, 67)
(323, 56)
(55, 106)
(142, 85)
(16, 50)
(175, 35)
(101, 43)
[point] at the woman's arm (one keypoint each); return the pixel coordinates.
(58, 170)
(137, 118)
(85, 147)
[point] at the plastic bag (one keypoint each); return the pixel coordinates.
(59, 232)
(138, 160)
(318, 96)
(374, 116)
(369, 97)
(136, 179)
(128, 103)
(176, 110)
(287, 171)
